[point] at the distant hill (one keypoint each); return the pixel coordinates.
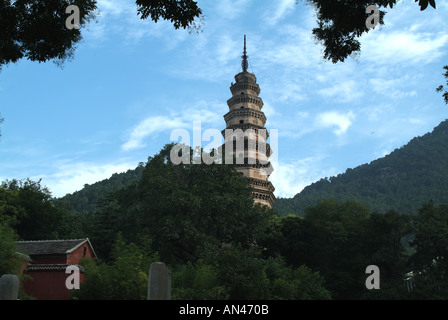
(402, 180)
(87, 199)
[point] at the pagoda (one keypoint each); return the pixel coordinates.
(247, 135)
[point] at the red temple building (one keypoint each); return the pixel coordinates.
(46, 265)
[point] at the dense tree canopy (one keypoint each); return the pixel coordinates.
(429, 262)
(27, 206)
(184, 208)
(342, 22)
(180, 13)
(201, 221)
(36, 29)
(340, 239)
(443, 89)
(8, 252)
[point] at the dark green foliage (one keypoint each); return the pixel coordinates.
(429, 263)
(198, 282)
(243, 273)
(35, 29)
(200, 220)
(401, 181)
(440, 88)
(184, 209)
(431, 237)
(10, 261)
(334, 247)
(180, 13)
(27, 205)
(220, 252)
(249, 277)
(424, 4)
(340, 239)
(85, 201)
(342, 22)
(234, 272)
(300, 283)
(124, 278)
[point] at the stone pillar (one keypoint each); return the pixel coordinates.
(159, 282)
(9, 287)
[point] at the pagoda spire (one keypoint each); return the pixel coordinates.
(245, 135)
(245, 63)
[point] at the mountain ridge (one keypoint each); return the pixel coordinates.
(403, 180)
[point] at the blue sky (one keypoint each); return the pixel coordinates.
(132, 82)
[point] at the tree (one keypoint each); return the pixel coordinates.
(441, 87)
(431, 234)
(336, 230)
(400, 181)
(383, 242)
(29, 206)
(36, 29)
(198, 281)
(125, 278)
(181, 14)
(9, 259)
(340, 240)
(300, 283)
(185, 209)
(341, 22)
(246, 275)
(429, 263)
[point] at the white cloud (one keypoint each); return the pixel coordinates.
(70, 177)
(404, 45)
(290, 178)
(343, 91)
(269, 111)
(281, 9)
(393, 88)
(227, 49)
(118, 19)
(204, 112)
(335, 119)
(114, 7)
(231, 9)
(150, 126)
(293, 48)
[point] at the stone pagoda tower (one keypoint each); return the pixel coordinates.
(245, 125)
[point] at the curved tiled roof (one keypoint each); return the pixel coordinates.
(42, 247)
(50, 267)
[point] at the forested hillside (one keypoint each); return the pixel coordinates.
(402, 180)
(200, 220)
(88, 198)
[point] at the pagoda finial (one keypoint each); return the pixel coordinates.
(244, 63)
